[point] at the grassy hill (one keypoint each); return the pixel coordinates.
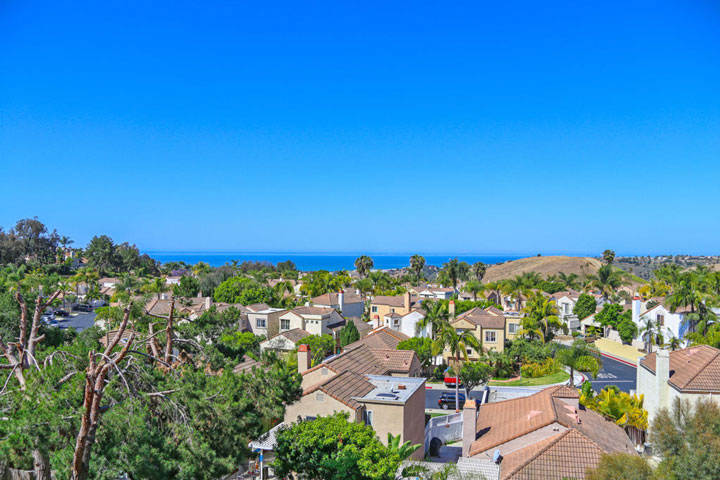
(544, 266)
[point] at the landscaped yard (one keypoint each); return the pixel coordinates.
(528, 382)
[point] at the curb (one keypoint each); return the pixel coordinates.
(618, 359)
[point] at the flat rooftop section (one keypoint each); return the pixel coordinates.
(391, 389)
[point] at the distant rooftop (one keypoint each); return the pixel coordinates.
(391, 389)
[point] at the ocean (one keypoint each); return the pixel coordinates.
(311, 262)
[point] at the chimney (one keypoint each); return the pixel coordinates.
(662, 375)
(341, 300)
(469, 430)
(451, 308)
(636, 305)
(406, 301)
(208, 301)
(304, 358)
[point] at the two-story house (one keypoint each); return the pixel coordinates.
(381, 305)
(347, 303)
(488, 326)
(315, 320)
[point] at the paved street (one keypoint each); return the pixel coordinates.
(79, 321)
(615, 373)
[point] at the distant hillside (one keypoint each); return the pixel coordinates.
(544, 266)
(644, 266)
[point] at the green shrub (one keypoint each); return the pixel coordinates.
(539, 369)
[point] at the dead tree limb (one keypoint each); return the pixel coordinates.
(95, 383)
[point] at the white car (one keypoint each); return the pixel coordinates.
(48, 317)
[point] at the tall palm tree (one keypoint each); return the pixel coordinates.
(607, 280)
(651, 333)
(496, 288)
(457, 343)
(478, 271)
(363, 265)
(417, 263)
(474, 287)
(580, 356)
(435, 316)
(452, 271)
(608, 257)
(541, 313)
(517, 288)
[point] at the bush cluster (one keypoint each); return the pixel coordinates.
(540, 369)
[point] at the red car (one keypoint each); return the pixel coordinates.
(451, 381)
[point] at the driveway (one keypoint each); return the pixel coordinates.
(78, 321)
(617, 373)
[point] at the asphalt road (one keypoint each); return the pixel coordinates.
(615, 373)
(79, 321)
(432, 396)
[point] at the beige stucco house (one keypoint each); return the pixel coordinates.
(488, 326)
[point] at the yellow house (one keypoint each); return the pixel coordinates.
(488, 326)
(512, 325)
(382, 305)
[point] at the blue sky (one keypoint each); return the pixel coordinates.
(478, 127)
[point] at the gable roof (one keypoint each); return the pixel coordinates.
(484, 318)
(257, 307)
(246, 364)
(501, 422)
(393, 300)
(374, 361)
(565, 455)
(571, 294)
(295, 335)
(312, 310)
(332, 299)
(693, 369)
(382, 337)
(344, 387)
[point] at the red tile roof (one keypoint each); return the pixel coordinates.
(691, 369)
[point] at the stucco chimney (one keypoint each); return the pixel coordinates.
(451, 308)
(406, 301)
(469, 415)
(662, 375)
(304, 358)
(208, 302)
(341, 300)
(636, 306)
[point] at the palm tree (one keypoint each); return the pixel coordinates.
(608, 257)
(580, 356)
(201, 268)
(540, 314)
(517, 288)
(474, 287)
(435, 316)
(417, 263)
(452, 271)
(651, 333)
(496, 288)
(457, 342)
(673, 343)
(571, 280)
(607, 280)
(363, 265)
(478, 270)
(157, 286)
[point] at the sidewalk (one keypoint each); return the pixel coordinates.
(624, 353)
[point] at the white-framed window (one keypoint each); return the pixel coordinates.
(373, 309)
(491, 336)
(260, 322)
(320, 397)
(368, 417)
(284, 324)
(512, 327)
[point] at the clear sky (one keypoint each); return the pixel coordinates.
(461, 127)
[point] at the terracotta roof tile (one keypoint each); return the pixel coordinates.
(332, 299)
(694, 369)
(483, 318)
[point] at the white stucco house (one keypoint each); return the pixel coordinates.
(407, 323)
(670, 324)
(315, 320)
(689, 374)
(349, 304)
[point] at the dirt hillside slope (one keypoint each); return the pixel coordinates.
(544, 266)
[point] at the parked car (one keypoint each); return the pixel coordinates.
(48, 316)
(61, 313)
(53, 323)
(82, 307)
(447, 400)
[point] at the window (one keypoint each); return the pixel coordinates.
(512, 327)
(469, 351)
(368, 417)
(320, 397)
(661, 320)
(260, 322)
(392, 310)
(491, 336)
(373, 309)
(284, 324)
